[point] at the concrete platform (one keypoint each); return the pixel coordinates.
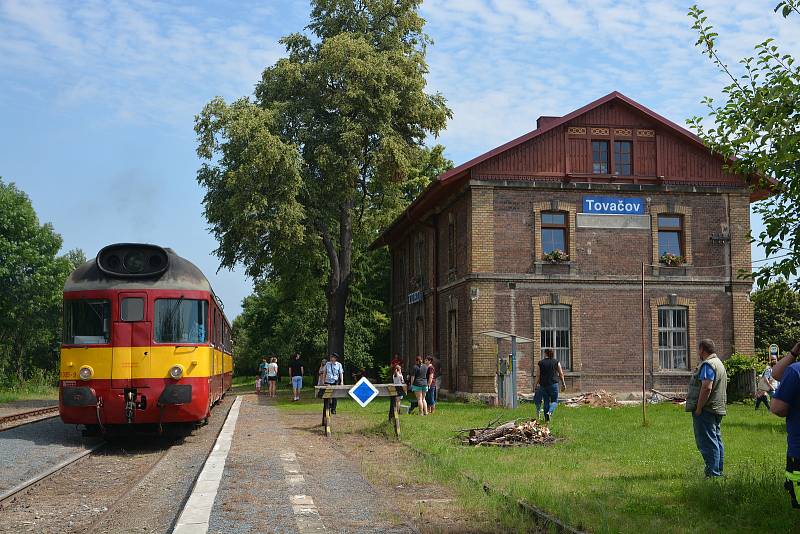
(277, 477)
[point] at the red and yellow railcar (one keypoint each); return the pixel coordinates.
(145, 340)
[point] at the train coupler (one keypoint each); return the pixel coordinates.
(132, 404)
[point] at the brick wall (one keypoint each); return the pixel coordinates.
(743, 332)
(496, 285)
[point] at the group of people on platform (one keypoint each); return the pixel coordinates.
(778, 389)
(268, 374)
(423, 380)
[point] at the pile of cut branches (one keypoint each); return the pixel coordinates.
(597, 399)
(510, 434)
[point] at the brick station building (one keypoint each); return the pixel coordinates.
(612, 185)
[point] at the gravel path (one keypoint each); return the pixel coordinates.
(253, 496)
(27, 450)
(259, 483)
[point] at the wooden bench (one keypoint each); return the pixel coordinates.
(394, 391)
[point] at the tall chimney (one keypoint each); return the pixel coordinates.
(544, 120)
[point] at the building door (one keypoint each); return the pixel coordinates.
(452, 349)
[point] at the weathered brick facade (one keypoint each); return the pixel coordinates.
(468, 257)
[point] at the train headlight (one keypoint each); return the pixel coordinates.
(175, 372)
(85, 372)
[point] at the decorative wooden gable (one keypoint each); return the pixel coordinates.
(661, 152)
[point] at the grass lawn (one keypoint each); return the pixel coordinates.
(608, 473)
(28, 391)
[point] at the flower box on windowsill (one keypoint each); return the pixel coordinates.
(553, 268)
(666, 270)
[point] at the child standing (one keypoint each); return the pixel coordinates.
(258, 385)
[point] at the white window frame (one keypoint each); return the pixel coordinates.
(563, 352)
(671, 356)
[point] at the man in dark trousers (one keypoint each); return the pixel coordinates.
(786, 403)
(296, 373)
(334, 375)
(706, 401)
(547, 385)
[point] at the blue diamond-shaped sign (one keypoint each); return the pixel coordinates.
(363, 392)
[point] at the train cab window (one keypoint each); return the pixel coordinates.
(180, 321)
(87, 321)
(132, 309)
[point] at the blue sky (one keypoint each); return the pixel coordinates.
(98, 98)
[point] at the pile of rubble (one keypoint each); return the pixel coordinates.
(510, 434)
(660, 396)
(596, 399)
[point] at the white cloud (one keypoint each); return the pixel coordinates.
(502, 63)
(140, 61)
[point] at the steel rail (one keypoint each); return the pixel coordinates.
(41, 476)
(27, 415)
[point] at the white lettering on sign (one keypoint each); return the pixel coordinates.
(630, 206)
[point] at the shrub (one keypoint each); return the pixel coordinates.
(739, 362)
(385, 374)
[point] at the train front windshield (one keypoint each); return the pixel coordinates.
(181, 321)
(87, 321)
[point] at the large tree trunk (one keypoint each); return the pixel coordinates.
(337, 302)
(338, 289)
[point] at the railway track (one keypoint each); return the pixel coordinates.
(19, 488)
(27, 417)
(143, 472)
(143, 483)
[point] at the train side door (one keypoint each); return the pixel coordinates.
(132, 360)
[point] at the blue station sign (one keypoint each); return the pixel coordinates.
(613, 205)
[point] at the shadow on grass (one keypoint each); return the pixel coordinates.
(755, 425)
(644, 477)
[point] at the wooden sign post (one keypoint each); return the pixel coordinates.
(395, 392)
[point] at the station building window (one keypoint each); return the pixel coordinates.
(670, 235)
(673, 338)
(554, 231)
(556, 333)
(600, 157)
(623, 158)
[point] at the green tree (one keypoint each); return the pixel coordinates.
(776, 310)
(32, 279)
(287, 312)
(333, 129)
(757, 127)
(76, 257)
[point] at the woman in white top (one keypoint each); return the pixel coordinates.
(272, 375)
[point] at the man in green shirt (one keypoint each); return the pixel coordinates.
(706, 400)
